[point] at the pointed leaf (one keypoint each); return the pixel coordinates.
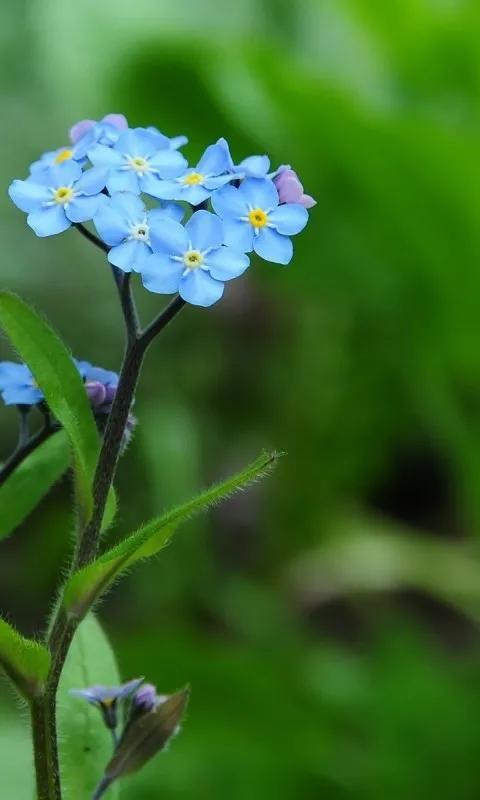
(147, 736)
(88, 584)
(25, 661)
(26, 486)
(54, 371)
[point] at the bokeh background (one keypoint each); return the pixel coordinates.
(327, 620)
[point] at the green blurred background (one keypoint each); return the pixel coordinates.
(327, 620)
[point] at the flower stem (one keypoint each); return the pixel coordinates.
(23, 450)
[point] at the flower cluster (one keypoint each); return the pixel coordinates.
(18, 386)
(207, 220)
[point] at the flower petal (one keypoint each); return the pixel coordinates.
(169, 238)
(28, 196)
(259, 193)
(228, 202)
(123, 181)
(214, 160)
(112, 226)
(80, 129)
(160, 274)
(192, 194)
(136, 142)
(204, 230)
(63, 174)
(103, 156)
(83, 208)
(48, 221)
(200, 289)
(173, 210)
(129, 255)
(92, 181)
(272, 246)
(289, 218)
(238, 235)
(22, 395)
(129, 205)
(163, 190)
(117, 120)
(254, 166)
(226, 263)
(168, 163)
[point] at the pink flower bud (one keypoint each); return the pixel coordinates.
(290, 189)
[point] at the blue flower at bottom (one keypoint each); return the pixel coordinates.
(107, 698)
(17, 385)
(192, 260)
(254, 219)
(124, 223)
(59, 196)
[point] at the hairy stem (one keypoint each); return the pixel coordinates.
(44, 749)
(63, 628)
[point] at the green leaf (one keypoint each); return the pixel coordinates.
(25, 661)
(60, 381)
(85, 742)
(26, 486)
(89, 583)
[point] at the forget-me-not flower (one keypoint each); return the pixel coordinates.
(53, 158)
(250, 167)
(173, 142)
(17, 385)
(254, 220)
(136, 163)
(58, 197)
(192, 260)
(107, 698)
(196, 184)
(124, 223)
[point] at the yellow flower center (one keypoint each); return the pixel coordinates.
(257, 218)
(63, 195)
(193, 178)
(63, 155)
(139, 164)
(193, 259)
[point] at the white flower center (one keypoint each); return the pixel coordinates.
(138, 164)
(193, 259)
(140, 232)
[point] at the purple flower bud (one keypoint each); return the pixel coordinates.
(78, 130)
(146, 698)
(290, 189)
(110, 392)
(96, 392)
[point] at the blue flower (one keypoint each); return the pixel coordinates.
(136, 162)
(250, 167)
(58, 197)
(196, 184)
(192, 260)
(17, 385)
(124, 223)
(254, 220)
(54, 158)
(106, 698)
